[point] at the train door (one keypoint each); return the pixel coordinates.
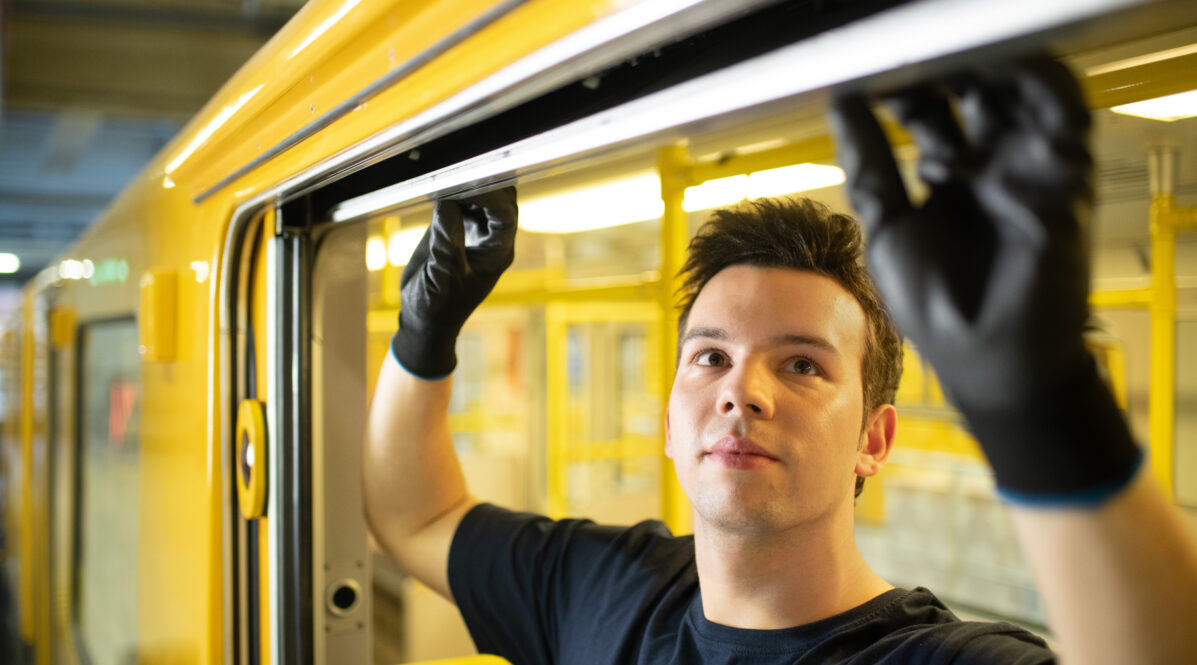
(33, 581)
(63, 472)
(299, 570)
(38, 379)
(103, 482)
(604, 405)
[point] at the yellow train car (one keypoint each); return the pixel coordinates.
(185, 391)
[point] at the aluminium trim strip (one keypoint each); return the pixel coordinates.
(275, 418)
(623, 34)
(844, 53)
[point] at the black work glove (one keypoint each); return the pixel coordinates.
(989, 276)
(468, 245)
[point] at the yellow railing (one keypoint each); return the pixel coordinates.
(1167, 218)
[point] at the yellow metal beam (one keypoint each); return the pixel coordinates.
(1135, 83)
(815, 149)
(641, 288)
(1121, 298)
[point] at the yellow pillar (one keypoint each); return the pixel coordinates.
(1161, 399)
(673, 165)
(557, 405)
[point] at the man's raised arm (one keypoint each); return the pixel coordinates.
(415, 492)
(989, 277)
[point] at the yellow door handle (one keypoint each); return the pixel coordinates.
(251, 458)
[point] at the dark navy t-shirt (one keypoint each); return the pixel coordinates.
(534, 590)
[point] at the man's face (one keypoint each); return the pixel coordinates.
(764, 418)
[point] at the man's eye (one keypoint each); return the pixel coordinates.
(802, 366)
(711, 359)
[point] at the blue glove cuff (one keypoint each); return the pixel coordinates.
(422, 370)
(1091, 497)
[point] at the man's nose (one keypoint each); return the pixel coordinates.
(747, 392)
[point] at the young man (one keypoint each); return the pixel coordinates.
(781, 401)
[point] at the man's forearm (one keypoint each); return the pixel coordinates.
(412, 476)
(414, 489)
(1119, 581)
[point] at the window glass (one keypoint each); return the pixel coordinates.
(108, 493)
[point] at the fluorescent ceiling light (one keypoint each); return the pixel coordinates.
(9, 263)
(402, 243)
(74, 269)
(1167, 108)
(772, 182)
(791, 179)
(716, 193)
(376, 253)
(633, 198)
(637, 198)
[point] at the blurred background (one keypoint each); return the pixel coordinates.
(90, 90)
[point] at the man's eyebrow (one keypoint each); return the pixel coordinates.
(806, 340)
(704, 333)
(779, 340)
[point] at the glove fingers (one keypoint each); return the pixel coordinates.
(1053, 98)
(987, 102)
(490, 224)
(1055, 108)
(447, 243)
(1036, 95)
(943, 149)
(419, 257)
(1039, 175)
(500, 211)
(872, 179)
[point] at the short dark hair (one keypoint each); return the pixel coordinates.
(802, 234)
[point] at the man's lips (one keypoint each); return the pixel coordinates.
(736, 452)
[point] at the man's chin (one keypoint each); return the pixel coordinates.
(736, 515)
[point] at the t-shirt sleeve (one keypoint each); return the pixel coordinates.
(999, 644)
(918, 629)
(519, 579)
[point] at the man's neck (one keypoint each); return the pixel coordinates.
(781, 580)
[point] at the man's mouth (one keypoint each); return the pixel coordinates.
(737, 452)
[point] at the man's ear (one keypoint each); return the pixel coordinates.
(876, 440)
(668, 439)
